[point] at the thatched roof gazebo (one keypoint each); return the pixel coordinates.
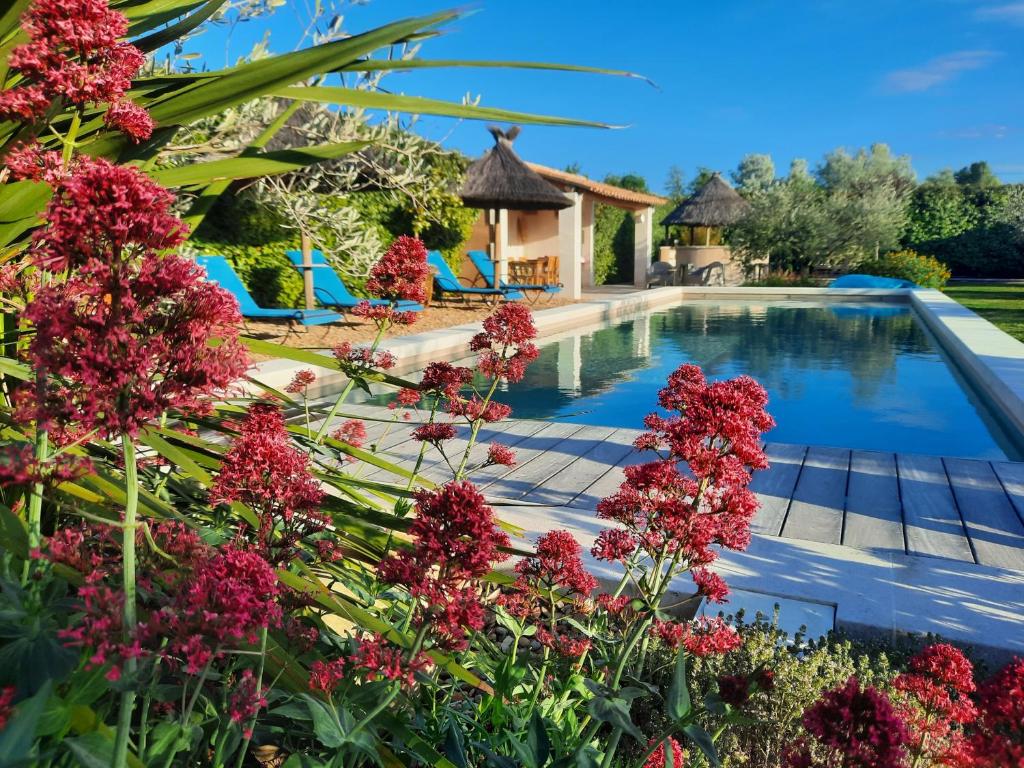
(716, 204)
(500, 180)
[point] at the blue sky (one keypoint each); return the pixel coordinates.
(940, 80)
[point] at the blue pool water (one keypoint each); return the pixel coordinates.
(853, 376)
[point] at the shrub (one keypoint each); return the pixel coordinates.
(926, 271)
(265, 270)
(784, 279)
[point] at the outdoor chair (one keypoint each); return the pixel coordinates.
(331, 291)
(219, 271)
(485, 267)
(447, 284)
(660, 273)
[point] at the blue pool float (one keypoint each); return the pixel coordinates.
(870, 281)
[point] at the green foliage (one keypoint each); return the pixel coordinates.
(755, 173)
(977, 175)
(925, 271)
(614, 230)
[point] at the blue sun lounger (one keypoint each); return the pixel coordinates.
(332, 292)
(219, 271)
(485, 267)
(448, 283)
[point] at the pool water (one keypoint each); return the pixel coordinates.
(853, 376)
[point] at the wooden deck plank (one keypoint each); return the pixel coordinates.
(566, 485)
(533, 447)
(1011, 475)
(930, 516)
(816, 512)
(774, 486)
(518, 483)
(990, 519)
(511, 435)
(874, 514)
(609, 482)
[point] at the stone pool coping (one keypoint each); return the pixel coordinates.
(991, 359)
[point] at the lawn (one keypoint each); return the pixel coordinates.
(1000, 304)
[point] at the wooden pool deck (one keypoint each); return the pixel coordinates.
(958, 509)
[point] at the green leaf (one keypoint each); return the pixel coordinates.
(537, 739)
(678, 704)
(455, 745)
(419, 105)
(266, 164)
(179, 29)
(176, 456)
(326, 725)
(401, 65)
(18, 738)
(13, 533)
(704, 742)
(92, 750)
(615, 712)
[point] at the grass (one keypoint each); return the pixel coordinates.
(1002, 305)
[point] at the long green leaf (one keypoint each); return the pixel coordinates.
(268, 164)
(354, 97)
(179, 29)
(401, 65)
(176, 455)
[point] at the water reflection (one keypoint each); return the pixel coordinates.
(865, 376)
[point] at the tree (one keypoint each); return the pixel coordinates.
(799, 169)
(574, 168)
(755, 173)
(675, 184)
(703, 177)
(977, 175)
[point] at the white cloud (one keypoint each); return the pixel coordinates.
(937, 71)
(1010, 13)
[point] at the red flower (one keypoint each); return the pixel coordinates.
(999, 736)
(263, 470)
(6, 702)
(300, 382)
(18, 466)
(710, 584)
(73, 53)
(31, 161)
(702, 637)
(564, 645)
(373, 659)
(455, 541)
(363, 359)
(434, 433)
(614, 544)
(504, 346)
(131, 119)
(445, 379)
(383, 316)
(851, 726)
(401, 273)
(657, 757)
(501, 455)
(613, 605)
(734, 690)
(246, 701)
(475, 408)
(407, 397)
(352, 431)
(556, 566)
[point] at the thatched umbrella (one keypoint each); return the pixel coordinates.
(716, 204)
(500, 180)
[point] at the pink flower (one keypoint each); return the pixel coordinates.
(613, 605)
(406, 397)
(300, 382)
(246, 701)
(504, 347)
(851, 726)
(498, 454)
(614, 544)
(131, 119)
(6, 702)
(734, 690)
(383, 316)
(434, 433)
(352, 431)
(264, 471)
(702, 637)
(73, 53)
(657, 757)
(556, 565)
(31, 161)
(401, 273)
(363, 359)
(710, 584)
(564, 645)
(18, 466)
(445, 379)
(999, 733)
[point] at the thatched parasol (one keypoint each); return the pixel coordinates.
(500, 180)
(716, 204)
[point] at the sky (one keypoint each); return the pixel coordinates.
(939, 80)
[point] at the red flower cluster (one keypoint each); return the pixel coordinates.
(474, 408)
(554, 573)
(362, 359)
(401, 273)
(246, 701)
(854, 727)
(455, 542)
(658, 759)
(373, 659)
(710, 585)
(734, 690)
(300, 382)
(613, 544)
(6, 704)
(998, 739)
(18, 466)
(702, 637)
(933, 699)
(435, 433)
(73, 54)
(31, 161)
(383, 316)
(501, 455)
(504, 344)
(263, 470)
(351, 431)
(445, 379)
(124, 335)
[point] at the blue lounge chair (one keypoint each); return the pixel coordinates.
(485, 267)
(332, 292)
(448, 283)
(219, 271)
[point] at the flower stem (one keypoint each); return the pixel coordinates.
(477, 423)
(259, 690)
(345, 393)
(131, 481)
